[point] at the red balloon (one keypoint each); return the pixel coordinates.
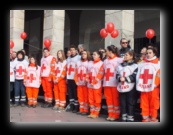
(103, 33)
(110, 27)
(47, 43)
(150, 33)
(11, 44)
(23, 35)
(114, 33)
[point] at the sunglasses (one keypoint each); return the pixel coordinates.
(124, 42)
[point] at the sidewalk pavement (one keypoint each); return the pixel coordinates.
(39, 114)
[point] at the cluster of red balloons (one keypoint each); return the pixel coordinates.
(109, 29)
(47, 43)
(150, 33)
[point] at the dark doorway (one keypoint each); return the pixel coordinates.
(83, 27)
(74, 16)
(34, 41)
(139, 43)
(34, 30)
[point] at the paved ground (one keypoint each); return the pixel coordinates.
(39, 114)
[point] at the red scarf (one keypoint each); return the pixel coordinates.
(97, 60)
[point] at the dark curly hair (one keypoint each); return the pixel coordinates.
(21, 52)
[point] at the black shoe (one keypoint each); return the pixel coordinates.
(123, 120)
(130, 120)
(15, 105)
(48, 105)
(34, 106)
(79, 113)
(11, 104)
(29, 106)
(76, 109)
(69, 108)
(22, 104)
(43, 104)
(55, 108)
(84, 113)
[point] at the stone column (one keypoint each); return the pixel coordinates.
(54, 29)
(16, 28)
(124, 23)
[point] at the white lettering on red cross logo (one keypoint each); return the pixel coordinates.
(70, 69)
(146, 76)
(20, 70)
(81, 75)
(91, 77)
(43, 67)
(124, 73)
(57, 71)
(31, 78)
(109, 74)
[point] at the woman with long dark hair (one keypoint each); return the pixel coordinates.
(110, 82)
(126, 76)
(94, 78)
(32, 82)
(148, 83)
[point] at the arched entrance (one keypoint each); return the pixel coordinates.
(83, 27)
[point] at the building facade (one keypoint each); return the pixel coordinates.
(66, 27)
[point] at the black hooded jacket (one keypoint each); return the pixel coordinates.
(124, 50)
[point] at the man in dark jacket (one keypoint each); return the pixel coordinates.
(124, 47)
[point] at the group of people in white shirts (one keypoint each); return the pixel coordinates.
(86, 78)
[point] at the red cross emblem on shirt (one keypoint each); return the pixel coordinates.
(124, 73)
(146, 76)
(91, 77)
(31, 78)
(20, 70)
(81, 75)
(43, 67)
(11, 73)
(109, 74)
(70, 70)
(57, 71)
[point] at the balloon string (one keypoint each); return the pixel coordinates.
(33, 46)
